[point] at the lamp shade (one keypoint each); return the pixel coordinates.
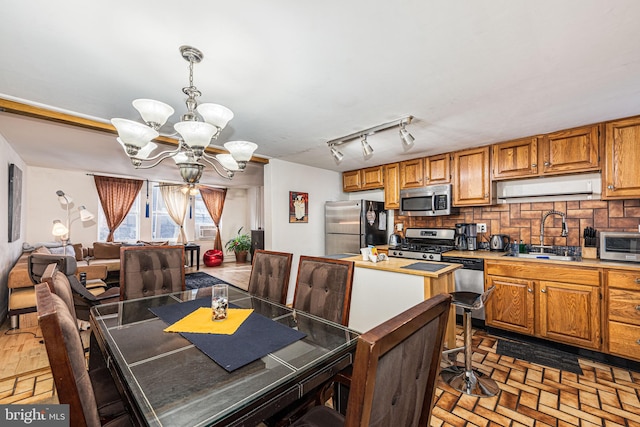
(63, 198)
(59, 229)
(241, 150)
(134, 133)
(196, 134)
(228, 162)
(85, 215)
(217, 115)
(152, 111)
(144, 152)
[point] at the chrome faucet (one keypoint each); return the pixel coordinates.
(544, 217)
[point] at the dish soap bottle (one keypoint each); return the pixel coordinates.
(522, 248)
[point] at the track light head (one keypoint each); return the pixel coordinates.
(407, 138)
(366, 148)
(337, 156)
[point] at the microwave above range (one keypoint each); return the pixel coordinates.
(431, 200)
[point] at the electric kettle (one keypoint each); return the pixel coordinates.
(395, 240)
(499, 242)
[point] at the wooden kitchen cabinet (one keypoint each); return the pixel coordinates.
(550, 301)
(471, 178)
(620, 177)
(363, 179)
(570, 313)
(569, 151)
(392, 186)
(412, 173)
(515, 159)
(623, 308)
(437, 169)
(352, 181)
(511, 305)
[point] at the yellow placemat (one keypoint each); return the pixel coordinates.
(200, 322)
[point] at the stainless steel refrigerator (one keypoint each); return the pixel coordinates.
(354, 224)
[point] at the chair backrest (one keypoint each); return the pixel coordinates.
(151, 270)
(270, 273)
(323, 288)
(59, 284)
(396, 367)
(66, 358)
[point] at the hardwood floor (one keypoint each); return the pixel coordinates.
(530, 395)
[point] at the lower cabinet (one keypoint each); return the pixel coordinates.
(554, 302)
(623, 308)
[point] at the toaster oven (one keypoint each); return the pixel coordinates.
(620, 246)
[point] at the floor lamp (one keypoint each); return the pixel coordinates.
(62, 230)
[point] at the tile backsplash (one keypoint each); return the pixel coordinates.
(521, 221)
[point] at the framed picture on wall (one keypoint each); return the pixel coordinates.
(298, 207)
(15, 202)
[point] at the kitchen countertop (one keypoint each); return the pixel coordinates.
(503, 256)
(396, 265)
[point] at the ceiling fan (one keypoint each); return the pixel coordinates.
(190, 188)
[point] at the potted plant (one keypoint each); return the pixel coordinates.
(240, 245)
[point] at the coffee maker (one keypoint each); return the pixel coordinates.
(466, 238)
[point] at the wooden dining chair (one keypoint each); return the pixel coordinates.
(395, 370)
(323, 288)
(270, 273)
(146, 271)
(74, 384)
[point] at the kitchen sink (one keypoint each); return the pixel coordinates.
(548, 256)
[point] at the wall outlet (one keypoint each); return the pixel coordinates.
(481, 227)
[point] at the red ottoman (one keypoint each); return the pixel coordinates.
(213, 258)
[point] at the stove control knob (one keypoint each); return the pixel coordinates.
(399, 253)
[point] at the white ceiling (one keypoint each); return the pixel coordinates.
(299, 73)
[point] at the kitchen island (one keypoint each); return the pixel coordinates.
(384, 289)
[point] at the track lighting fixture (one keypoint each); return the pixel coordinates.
(406, 138)
(366, 148)
(337, 156)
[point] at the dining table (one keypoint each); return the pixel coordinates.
(167, 380)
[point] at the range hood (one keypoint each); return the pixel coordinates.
(550, 189)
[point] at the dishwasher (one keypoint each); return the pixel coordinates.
(469, 278)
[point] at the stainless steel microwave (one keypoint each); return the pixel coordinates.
(620, 246)
(431, 200)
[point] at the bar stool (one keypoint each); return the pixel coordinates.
(466, 379)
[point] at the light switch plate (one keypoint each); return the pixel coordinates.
(482, 227)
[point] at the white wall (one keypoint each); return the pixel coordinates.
(298, 238)
(9, 251)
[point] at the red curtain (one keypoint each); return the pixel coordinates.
(213, 199)
(116, 197)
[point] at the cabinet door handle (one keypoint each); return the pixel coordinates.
(638, 281)
(544, 291)
(547, 163)
(610, 187)
(534, 165)
(530, 290)
(638, 341)
(638, 307)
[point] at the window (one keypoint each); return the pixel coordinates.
(205, 228)
(128, 231)
(162, 226)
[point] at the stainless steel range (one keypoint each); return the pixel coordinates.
(425, 244)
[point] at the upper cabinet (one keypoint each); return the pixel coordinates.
(573, 150)
(363, 179)
(620, 177)
(515, 159)
(471, 181)
(437, 169)
(392, 186)
(412, 173)
(567, 151)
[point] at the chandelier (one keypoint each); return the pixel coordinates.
(195, 130)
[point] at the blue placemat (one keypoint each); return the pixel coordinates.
(256, 337)
(424, 266)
